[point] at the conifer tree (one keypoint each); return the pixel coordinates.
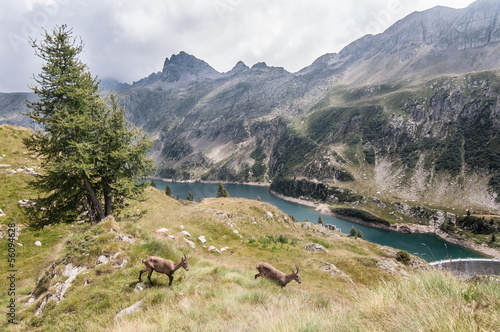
(221, 191)
(190, 196)
(91, 154)
(320, 220)
(120, 157)
(168, 191)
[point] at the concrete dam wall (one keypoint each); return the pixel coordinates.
(469, 267)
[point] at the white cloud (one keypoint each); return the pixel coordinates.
(129, 39)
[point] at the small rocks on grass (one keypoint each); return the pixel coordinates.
(126, 238)
(102, 259)
(140, 286)
(191, 243)
(38, 243)
(315, 247)
(130, 310)
(212, 248)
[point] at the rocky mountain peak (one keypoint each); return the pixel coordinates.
(184, 65)
(436, 41)
(263, 67)
(239, 67)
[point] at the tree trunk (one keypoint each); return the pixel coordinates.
(89, 209)
(95, 201)
(107, 204)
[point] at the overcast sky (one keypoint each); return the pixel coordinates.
(130, 39)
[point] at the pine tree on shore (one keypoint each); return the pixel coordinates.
(168, 191)
(221, 191)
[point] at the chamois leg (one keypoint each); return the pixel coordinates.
(141, 272)
(257, 275)
(149, 276)
(170, 277)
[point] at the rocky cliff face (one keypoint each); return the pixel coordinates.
(12, 108)
(436, 41)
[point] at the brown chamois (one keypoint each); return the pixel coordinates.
(162, 265)
(269, 272)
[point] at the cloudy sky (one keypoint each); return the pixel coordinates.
(130, 39)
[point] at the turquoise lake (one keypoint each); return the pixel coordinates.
(428, 246)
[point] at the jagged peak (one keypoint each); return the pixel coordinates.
(183, 64)
(240, 66)
(262, 66)
(259, 65)
(186, 61)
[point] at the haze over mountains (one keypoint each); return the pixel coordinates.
(411, 113)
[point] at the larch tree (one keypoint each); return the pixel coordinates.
(168, 191)
(91, 156)
(221, 191)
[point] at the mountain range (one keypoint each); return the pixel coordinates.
(408, 114)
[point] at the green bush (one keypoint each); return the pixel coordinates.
(370, 156)
(403, 257)
(447, 227)
(477, 225)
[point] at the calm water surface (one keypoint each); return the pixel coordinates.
(428, 246)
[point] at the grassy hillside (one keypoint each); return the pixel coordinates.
(368, 291)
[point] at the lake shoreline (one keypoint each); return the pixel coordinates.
(399, 228)
(324, 208)
(259, 184)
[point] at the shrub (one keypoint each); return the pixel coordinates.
(476, 225)
(447, 227)
(403, 257)
(370, 156)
